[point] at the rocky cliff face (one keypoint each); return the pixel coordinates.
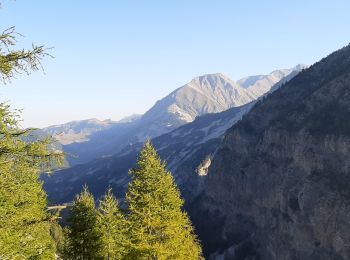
(279, 185)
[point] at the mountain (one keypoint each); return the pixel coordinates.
(261, 84)
(211, 93)
(187, 151)
(278, 186)
(77, 131)
(185, 148)
(130, 119)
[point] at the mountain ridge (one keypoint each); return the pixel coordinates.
(210, 93)
(187, 150)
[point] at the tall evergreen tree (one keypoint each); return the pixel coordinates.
(24, 222)
(84, 239)
(112, 223)
(159, 228)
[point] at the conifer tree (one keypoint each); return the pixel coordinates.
(112, 224)
(84, 239)
(24, 221)
(159, 228)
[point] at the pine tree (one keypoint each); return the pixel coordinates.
(24, 221)
(113, 227)
(84, 239)
(159, 228)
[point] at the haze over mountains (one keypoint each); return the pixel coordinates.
(212, 93)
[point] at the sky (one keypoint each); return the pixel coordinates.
(116, 58)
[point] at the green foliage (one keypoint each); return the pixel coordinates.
(57, 233)
(84, 239)
(24, 222)
(159, 229)
(17, 61)
(113, 227)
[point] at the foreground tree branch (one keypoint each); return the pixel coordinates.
(18, 61)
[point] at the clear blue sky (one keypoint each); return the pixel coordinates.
(115, 58)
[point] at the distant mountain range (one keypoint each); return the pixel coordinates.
(90, 139)
(77, 131)
(184, 149)
(187, 149)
